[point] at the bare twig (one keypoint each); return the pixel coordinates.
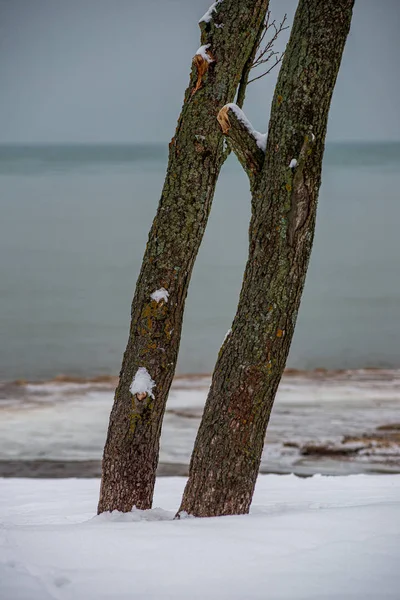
(277, 61)
(265, 51)
(247, 68)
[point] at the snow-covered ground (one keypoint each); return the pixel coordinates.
(332, 423)
(319, 538)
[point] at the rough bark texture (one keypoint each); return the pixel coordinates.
(195, 158)
(244, 145)
(230, 440)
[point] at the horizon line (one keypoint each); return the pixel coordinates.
(164, 142)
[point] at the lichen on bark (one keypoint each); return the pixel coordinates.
(230, 440)
(195, 158)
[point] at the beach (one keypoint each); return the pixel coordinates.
(329, 422)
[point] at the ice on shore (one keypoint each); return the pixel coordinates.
(67, 421)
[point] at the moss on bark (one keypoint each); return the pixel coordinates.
(195, 159)
(230, 441)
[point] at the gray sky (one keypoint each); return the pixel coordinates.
(116, 70)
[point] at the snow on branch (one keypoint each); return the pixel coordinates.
(209, 14)
(204, 53)
(265, 52)
(261, 138)
(247, 143)
(142, 384)
(202, 60)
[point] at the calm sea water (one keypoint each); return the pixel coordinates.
(73, 227)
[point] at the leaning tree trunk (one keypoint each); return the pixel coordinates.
(284, 184)
(229, 34)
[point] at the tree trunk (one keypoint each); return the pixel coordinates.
(229, 444)
(229, 33)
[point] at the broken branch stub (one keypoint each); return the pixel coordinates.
(201, 65)
(223, 120)
(243, 142)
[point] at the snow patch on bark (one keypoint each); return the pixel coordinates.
(202, 51)
(207, 17)
(261, 138)
(142, 383)
(161, 294)
(228, 333)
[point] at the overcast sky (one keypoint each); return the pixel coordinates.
(116, 70)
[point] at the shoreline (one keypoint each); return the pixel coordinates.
(91, 469)
(315, 373)
(328, 422)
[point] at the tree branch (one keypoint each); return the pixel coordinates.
(247, 68)
(244, 140)
(264, 54)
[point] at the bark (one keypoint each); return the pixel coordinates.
(230, 441)
(195, 159)
(243, 143)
